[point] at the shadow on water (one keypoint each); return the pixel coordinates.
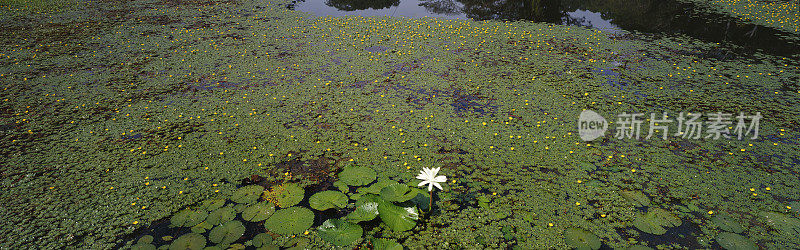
(647, 16)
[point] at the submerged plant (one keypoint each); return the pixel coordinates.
(428, 176)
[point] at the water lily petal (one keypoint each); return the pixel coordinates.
(440, 178)
(437, 185)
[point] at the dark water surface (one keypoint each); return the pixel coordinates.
(648, 16)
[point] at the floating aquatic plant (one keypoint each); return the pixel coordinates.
(398, 193)
(247, 194)
(285, 195)
(262, 239)
(637, 198)
(656, 221)
(786, 225)
(181, 105)
(188, 241)
(227, 233)
(258, 212)
(327, 199)
(386, 244)
(396, 217)
(579, 238)
(726, 223)
(366, 209)
(221, 215)
(188, 218)
(211, 205)
(731, 241)
(376, 187)
(428, 176)
(340, 232)
(293, 220)
(144, 243)
(354, 175)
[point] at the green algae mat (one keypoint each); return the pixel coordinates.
(189, 124)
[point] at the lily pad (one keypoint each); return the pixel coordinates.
(258, 212)
(579, 238)
(287, 195)
(327, 199)
(293, 220)
(247, 194)
(386, 244)
(396, 217)
(146, 239)
(637, 198)
(785, 224)
(354, 175)
(144, 243)
(341, 186)
(366, 209)
(261, 239)
(397, 193)
(188, 218)
(221, 215)
(188, 241)
(143, 246)
(227, 233)
(377, 186)
(732, 241)
(340, 232)
(211, 205)
(202, 227)
(655, 221)
(725, 222)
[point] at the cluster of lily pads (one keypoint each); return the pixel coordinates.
(220, 221)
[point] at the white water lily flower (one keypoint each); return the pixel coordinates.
(428, 176)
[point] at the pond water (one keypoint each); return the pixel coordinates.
(242, 124)
(648, 16)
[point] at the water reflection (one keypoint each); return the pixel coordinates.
(534, 10)
(445, 7)
(590, 19)
(649, 16)
(436, 8)
(351, 5)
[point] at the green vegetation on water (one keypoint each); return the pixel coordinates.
(119, 115)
